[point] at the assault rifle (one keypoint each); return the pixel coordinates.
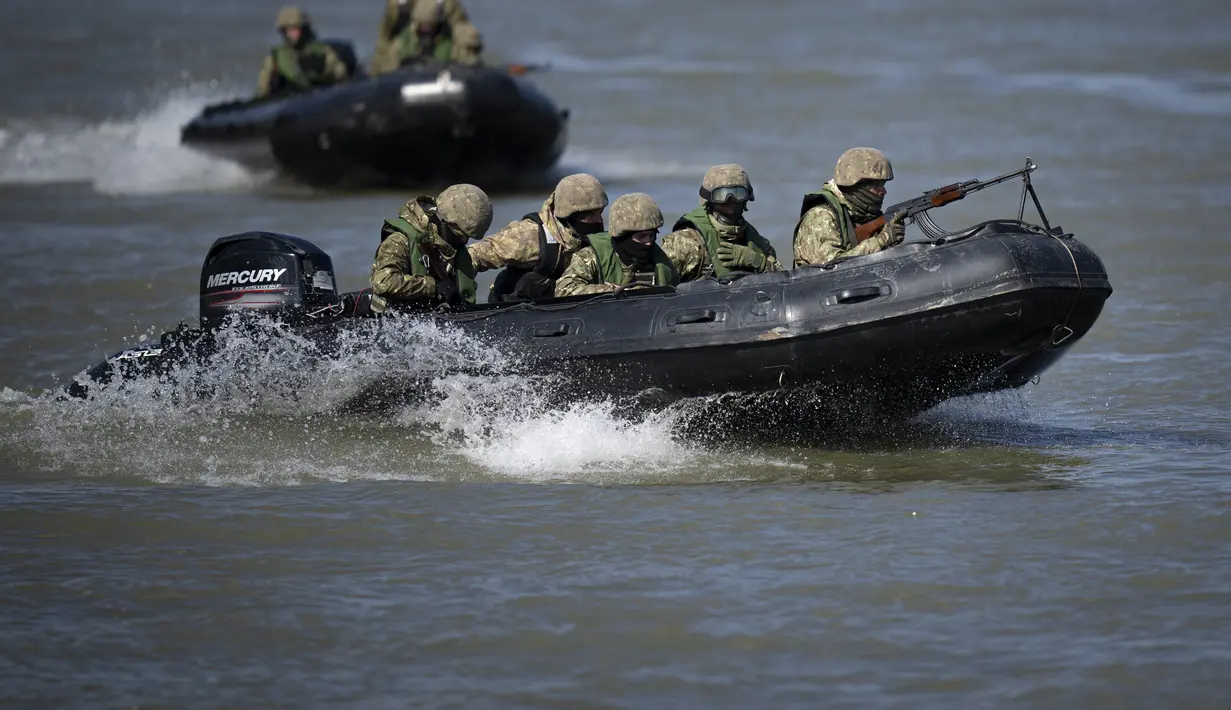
(936, 198)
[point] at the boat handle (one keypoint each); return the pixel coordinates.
(708, 315)
(858, 295)
(550, 331)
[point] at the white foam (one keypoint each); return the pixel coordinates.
(518, 427)
(130, 156)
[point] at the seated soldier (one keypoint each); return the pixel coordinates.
(715, 239)
(422, 259)
(301, 62)
(428, 35)
(536, 249)
(627, 257)
(828, 218)
(395, 20)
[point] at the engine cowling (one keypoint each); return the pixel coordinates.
(267, 273)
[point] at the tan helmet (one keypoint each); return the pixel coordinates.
(467, 208)
(634, 212)
(291, 16)
(727, 175)
(581, 192)
(426, 14)
(862, 164)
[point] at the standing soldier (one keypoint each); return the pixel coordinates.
(301, 62)
(422, 258)
(715, 238)
(536, 249)
(826, 228)
(627, 257)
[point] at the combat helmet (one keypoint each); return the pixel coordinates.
(726, 183)
(466, 208)
(291, 16)
(581, 192)
(862, 164)
(634, 212)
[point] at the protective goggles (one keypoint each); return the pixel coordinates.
(734, 193)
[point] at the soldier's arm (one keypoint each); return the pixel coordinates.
(265, 80)
(391, 271)
(454, 12)
(335, 68)
(819, 239)
(389, 21)
(688, 253)
(582, 276)
(467, 46)
(515, 245)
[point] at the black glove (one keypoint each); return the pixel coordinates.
(446, 291)
(534, 285)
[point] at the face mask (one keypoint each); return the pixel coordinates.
(633, 253)
(451, 237)
(865, 204)
(733, 220)
(584, 229)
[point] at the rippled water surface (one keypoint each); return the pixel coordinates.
(1068, 545)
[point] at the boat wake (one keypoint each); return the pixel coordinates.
(140, 155)
(274, 409)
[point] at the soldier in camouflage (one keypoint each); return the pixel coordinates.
(715, 239)
(828, 218)
(625, 257)
(301, 62)
(425, 31)
(422, 259)
(536, 249)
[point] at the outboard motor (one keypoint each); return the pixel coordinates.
(271, 274)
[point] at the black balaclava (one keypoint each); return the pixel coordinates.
(865, 205)
(583, 229)
(633, 253)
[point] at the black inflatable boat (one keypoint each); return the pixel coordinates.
(416, 125)
(985, 309)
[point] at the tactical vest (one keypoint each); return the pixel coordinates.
(300, 69)
(612, 269)
(517, 284)
(699, 220)
(463, 272)
(815, 199)
(408, 49)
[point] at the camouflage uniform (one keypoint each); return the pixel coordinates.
(694, 245)
(457, 42)
(299, 67)
(826, 230)
(596, 269)
(402, 273)
(516, 246)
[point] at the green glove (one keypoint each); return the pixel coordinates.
(739, 257)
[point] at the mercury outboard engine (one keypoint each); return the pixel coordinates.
(270, 274)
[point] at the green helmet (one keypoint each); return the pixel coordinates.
(291, 16)
(731, 176)
(467, 208)
(634, 212)
(862, 164)
(578, 193)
